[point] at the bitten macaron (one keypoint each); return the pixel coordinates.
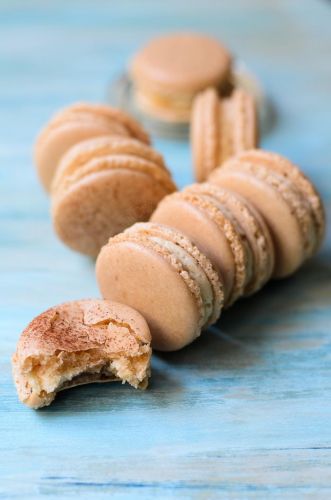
(74, 124)
(169, 71)
(156, 270)
(77, 343)
(104, 185)
(228, 230)
(220, 128)
(285, 198)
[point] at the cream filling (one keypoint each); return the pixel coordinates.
(195, 271)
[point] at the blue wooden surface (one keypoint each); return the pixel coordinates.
(245, 411)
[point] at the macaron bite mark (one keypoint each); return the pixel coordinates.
(220, 128)
(74, 124)
(169, 71)
(157, 270)
(102, 186)
(277, 194)
(77, 343)
(228, 230)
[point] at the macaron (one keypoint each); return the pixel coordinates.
(275, 188)
(77, 343)
(220, 128)
(102, 186)
(74, 124)
(169, 70)
(156, 270)
(287, 169)
(228, 230)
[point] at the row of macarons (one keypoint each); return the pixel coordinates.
(205, 247)
(257, 217)
(103, 174)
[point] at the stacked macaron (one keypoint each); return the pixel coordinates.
(257, 218)
(228, 229)
(221, 128)
(170, 70)
(74, 124)
(286, 199)
(102, 174)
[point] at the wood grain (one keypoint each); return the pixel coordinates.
(245, 411)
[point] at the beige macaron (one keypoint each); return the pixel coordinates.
(104, 185)
(286, 199)
(159, 272)
(74, 124)
(169, 70)
(77, 343)
(220, 128)
(287, 169)
(227, 229)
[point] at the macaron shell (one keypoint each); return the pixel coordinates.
(245, 121)
(134, 128)
(196, 134)
(298, 203)
(132, 273)
(238, 125)
(221, 128)
(103, 204)
(114, 162)
(290, 171)
(97, 311)
(283, 224)
(80, 154)
(51, 146)
(205, 133)
(181, 62)
(218, 212)
(202, 231)
(260, 240)
(83, 116)
(254, 228)
(39, 336)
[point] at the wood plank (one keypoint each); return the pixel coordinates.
(245, 411)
